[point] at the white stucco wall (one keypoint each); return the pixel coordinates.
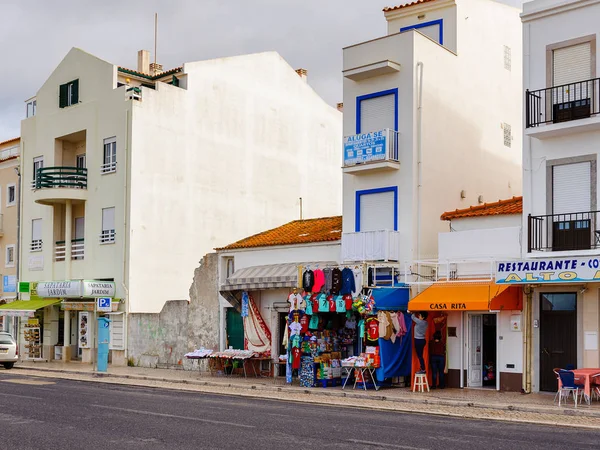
(227, 158)
(465, 100)
(485, 222)
(490, 243)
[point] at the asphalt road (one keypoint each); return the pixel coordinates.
(43, 413)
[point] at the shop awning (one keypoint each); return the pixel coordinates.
(267, 277)
(391, 299)
(467, 296)
(26, 308)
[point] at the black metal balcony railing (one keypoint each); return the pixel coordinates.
(562, 232)
(562, 103)
(61, 177)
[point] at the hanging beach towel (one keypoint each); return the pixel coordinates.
(257, 335)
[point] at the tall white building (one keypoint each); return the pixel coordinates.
(560, 186)
(432, 116)
(132, 175)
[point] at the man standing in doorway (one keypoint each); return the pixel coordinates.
(437, 355)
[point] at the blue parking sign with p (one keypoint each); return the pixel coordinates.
(104, 304)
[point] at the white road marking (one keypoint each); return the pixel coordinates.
(196, 419)
(21, 396)
(382, 444)
(28, 382)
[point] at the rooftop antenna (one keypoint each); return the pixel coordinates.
(155, 34)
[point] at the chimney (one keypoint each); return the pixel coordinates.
(340, 107)
(303, 74)
(143, 61)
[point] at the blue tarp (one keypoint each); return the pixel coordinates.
(391, 298)
(396, 358)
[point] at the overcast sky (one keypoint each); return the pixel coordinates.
(36, 34)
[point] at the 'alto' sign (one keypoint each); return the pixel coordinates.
(554, 270)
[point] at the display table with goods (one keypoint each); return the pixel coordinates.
(228, 361)
(33, 342)
(363, 369)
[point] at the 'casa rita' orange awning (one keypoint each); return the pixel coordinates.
(467, 296)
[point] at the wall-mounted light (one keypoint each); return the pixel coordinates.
(480, 199)
(421, 16)
(463, 194)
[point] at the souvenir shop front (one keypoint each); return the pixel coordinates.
(340, 329)
(480, 324)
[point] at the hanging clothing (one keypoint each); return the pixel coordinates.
(296, 301)
(309, 307)
(336, 281)
(296, 358)
(314, 322)
(256, 332)
(340, 304)
(402, 329)
(361, 328)
(308, 280)
(295, 328)
(358, 281)
(331, 301)
(351, 323)
(372, 329)
(286, 338)
(327, 272)
(315, 302)
(245, 301)
(304, 324)
(385, 325)
(348, 301)
(323, 303)
(348, 285)
(319, 280)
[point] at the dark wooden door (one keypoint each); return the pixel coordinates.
(558, 335)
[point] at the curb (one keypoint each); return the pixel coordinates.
(337, 394)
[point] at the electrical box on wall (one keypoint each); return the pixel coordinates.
(515, 322)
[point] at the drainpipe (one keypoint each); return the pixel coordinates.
(527, 339)
(419, 162)
(128, 117)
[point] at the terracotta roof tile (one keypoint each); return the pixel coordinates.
(501, 207)
(8, 141)
(406, 5)
(297, 232)
(147, 75)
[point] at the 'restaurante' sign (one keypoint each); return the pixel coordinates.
(554, 270)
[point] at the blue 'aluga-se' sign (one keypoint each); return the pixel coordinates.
(365, 147)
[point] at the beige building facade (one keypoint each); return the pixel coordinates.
(9, 199)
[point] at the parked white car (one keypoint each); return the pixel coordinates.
(8, 350)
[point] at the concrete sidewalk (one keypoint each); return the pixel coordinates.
(467, 403)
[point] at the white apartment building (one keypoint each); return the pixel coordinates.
(561, 237)
(132, 175)
(432, 116)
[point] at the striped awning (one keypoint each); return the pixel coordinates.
(268, 277)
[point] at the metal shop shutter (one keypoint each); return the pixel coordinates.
(572, 64)
(571, 188)
(117, 332)
(377, 211)
(378, 113)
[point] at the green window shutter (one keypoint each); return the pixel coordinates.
(75, 92)
(62, 96)
(175, 81)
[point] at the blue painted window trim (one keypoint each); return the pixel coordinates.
(359, 194)
(439, 22)
(360, 98)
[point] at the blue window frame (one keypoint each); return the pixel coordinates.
(439, 22)
(359, 194)
(359, 99)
